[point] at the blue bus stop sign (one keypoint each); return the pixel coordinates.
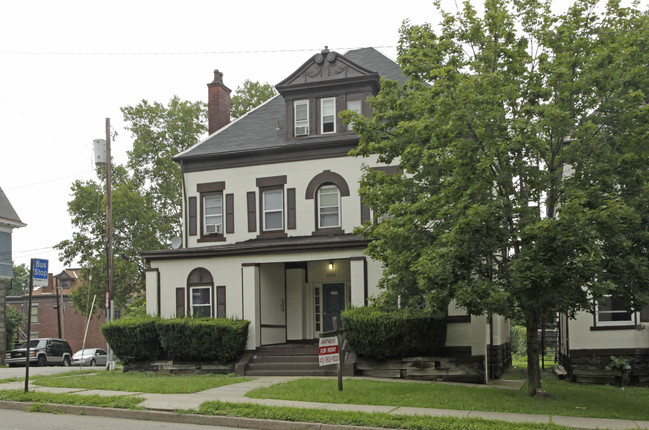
(39, 272)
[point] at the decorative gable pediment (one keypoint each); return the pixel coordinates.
(328, 68)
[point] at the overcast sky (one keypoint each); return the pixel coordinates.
(66, 66)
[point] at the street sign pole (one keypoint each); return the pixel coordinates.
(38, 275)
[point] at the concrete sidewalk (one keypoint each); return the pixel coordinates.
(235, 393)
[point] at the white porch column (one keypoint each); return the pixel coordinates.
(358, 281)
(250, 290)
(152, 280)
(295, 304)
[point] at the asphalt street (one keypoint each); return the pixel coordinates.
(19, 420)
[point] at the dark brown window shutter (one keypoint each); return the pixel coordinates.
(365, 211)
(229, 213)
(644, 314)
(220, 301)
(191, 210)
(290, 208)
(180, 302)
(252, 213)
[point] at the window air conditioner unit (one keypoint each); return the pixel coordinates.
(214, 228)
(302, 130)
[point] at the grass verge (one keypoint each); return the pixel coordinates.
(120, 402)
(383, 420)
(564, 398)
(138, 382)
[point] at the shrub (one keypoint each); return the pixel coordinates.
(518, 340)
(134, 339)
(378, 334)
(203, 339)
(186, 339)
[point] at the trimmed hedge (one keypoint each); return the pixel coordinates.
(377, 334)
(204, 339)
(183, 339)
(134, 339)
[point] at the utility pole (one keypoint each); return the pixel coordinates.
(109, 238)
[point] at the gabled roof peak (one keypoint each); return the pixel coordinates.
(324, 69)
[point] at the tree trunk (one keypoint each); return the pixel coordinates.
(533, 350)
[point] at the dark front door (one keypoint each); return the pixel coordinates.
(334, 302)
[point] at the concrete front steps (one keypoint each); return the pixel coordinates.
(291, 359)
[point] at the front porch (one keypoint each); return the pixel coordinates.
(296, 301)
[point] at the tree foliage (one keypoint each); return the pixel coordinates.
(146, 198)
(249, 96)
(521, 142)
(19, 284)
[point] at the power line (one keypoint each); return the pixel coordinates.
(242, 52)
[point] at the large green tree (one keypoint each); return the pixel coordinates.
(249, 96)
(19, 284)
(146, 197)
(523, 180)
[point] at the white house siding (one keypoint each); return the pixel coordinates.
(259, 289)
(241, 180)
(581, 337)
(272, 301)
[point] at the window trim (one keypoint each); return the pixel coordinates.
(210, 305)
(319, 207)
(264, 211)
(631, 322)
(204, 224)
(206, 190)
(322, 115)
(264, 185)
(303, 122)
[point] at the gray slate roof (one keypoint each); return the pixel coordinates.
(264, 128)
(7, 212)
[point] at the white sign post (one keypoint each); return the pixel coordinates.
(328, 351)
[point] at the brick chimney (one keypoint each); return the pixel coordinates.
(218, 103)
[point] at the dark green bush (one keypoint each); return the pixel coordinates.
(374, 333)
(203, 339)
(184, 339)
(518, 340)
(134, 339)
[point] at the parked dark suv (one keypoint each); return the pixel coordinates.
(43, 352)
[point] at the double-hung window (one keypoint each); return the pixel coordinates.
(328, 115)
(354, 106)
(201, 301)
(213, 214)
(328, 206)
(301, 115)
(273, 209)
(612, 311)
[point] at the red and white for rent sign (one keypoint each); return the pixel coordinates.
(328, 351)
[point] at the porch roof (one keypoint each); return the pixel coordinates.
(263, 246)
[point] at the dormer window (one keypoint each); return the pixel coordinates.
(354, 106)
(328, 115)
(301, 115)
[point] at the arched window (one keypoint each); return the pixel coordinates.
(328, 201)
(200, 288)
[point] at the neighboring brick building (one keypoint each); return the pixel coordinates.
(68, 324)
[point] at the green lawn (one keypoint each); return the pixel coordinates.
(564, 398)
(121, 402)
(137, 382)
(363, 419)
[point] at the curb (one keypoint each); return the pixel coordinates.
(171, 417)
